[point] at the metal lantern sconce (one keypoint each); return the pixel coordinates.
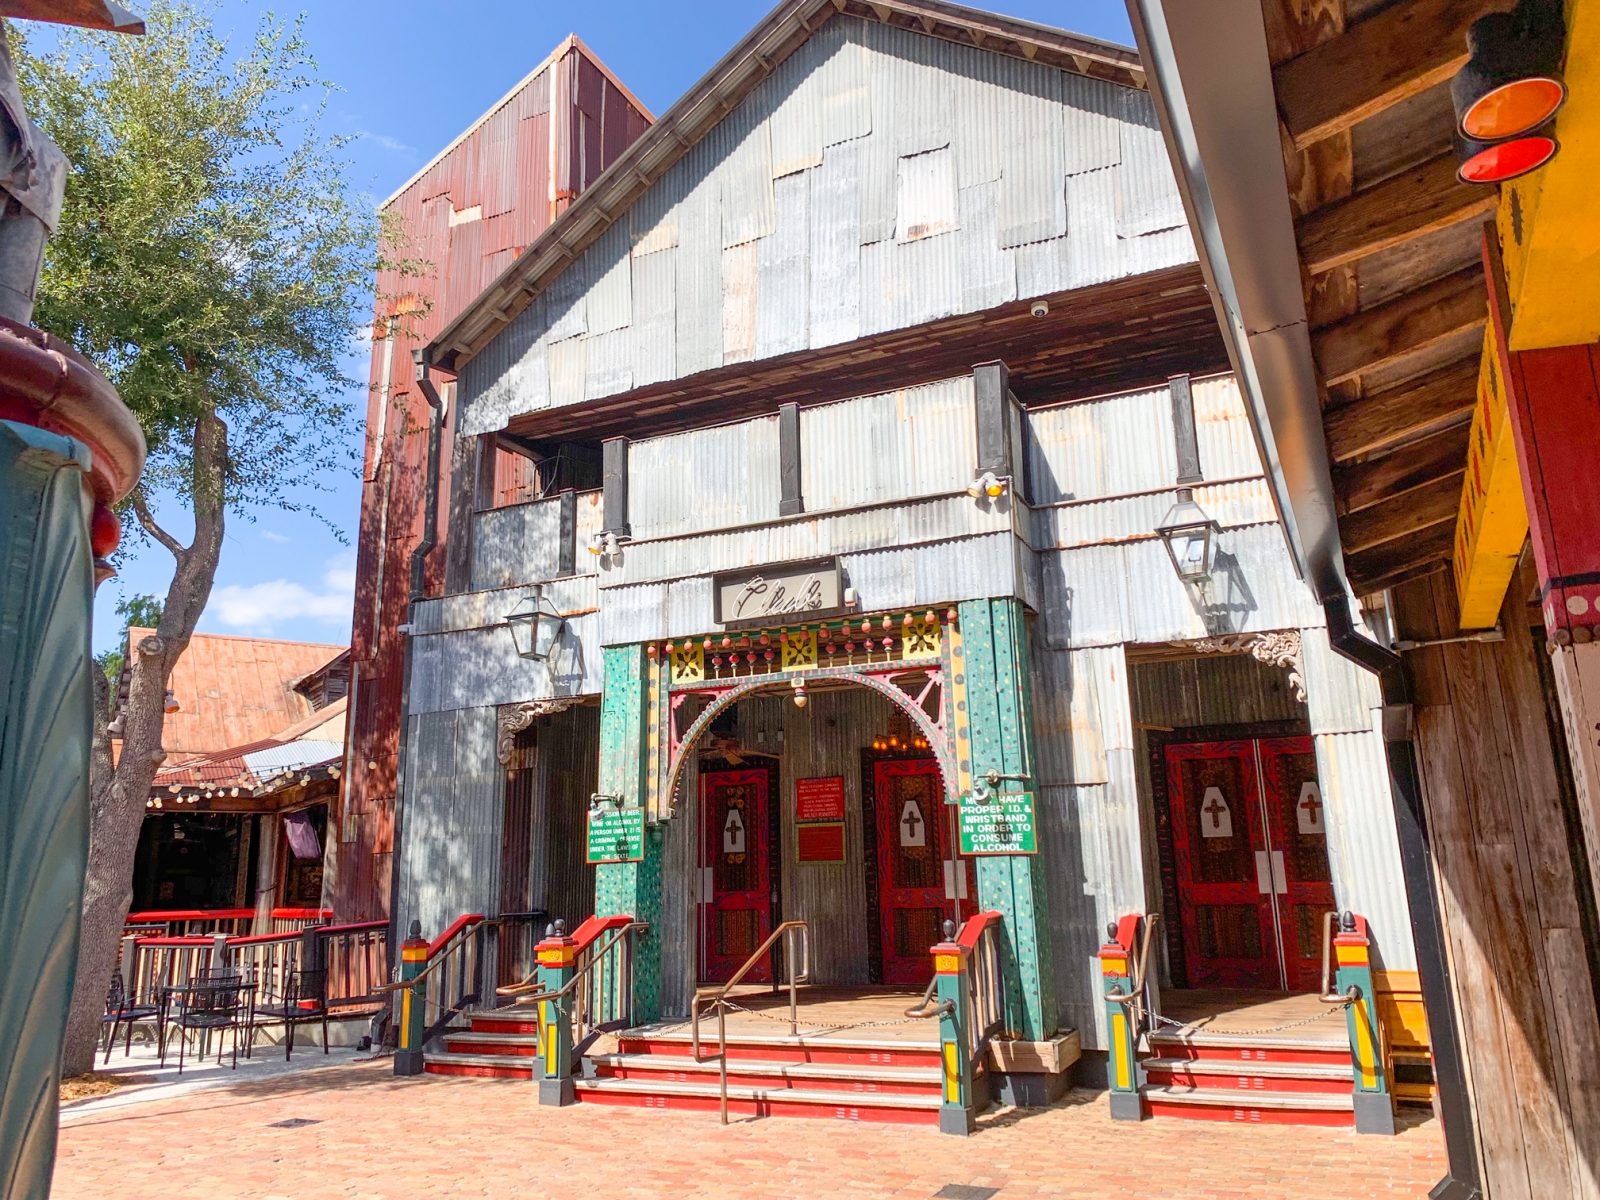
(1509, 92)
(1190, 536)
(169, 703)
(535, 625)
(801, 697)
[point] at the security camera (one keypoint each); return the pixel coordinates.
(1040, 309)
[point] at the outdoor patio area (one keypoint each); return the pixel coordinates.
(356, 1130)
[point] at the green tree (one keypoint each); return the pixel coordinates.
(138, 611)
(215, 263)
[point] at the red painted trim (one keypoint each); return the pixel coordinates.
(1358, 938)
(593, 927)
(354, 927)
(465, 921)
(261, 939)
(164, 943)
(302, 914)
(973, 929)
(193, 914)
(1128, 932)
(1243, 1114)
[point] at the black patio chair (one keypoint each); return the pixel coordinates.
(120, 1010)
(305, 998)
(204, 1004)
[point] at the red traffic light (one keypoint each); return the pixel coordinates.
(1497, 162)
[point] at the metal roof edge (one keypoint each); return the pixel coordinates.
(1209, 74)
(755, 57)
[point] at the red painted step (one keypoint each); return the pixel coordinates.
(1334, 1079)
(517, 1045)
(745, 1101)
(529, 1024)
(771, 1075)
(789, 1050)
(1266, 1108)
(484, 1066)
(1242, 1049)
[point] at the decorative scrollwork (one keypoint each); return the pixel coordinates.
(514, 718)
(1278, 648)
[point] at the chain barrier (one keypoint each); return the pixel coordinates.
(821, 1028)
(1145, 1018)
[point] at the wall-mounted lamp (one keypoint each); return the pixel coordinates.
(1509, 91)
(606, 544)
(600, 799)
(1190, 536)
(801, 697)
(535, 624)
(988, 484)
(170, 703)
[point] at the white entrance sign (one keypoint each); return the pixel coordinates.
(733, 833)
(1308, 812)
(913, 830)
(1216, 818)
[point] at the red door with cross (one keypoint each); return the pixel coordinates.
(1250, 849)
(737, 896)
(921, 881)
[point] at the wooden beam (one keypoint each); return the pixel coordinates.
(1402, 517)
(1399, 557)
(1410, 322)
(1403, 411)
(1405, 49)
(1362, 485)
(1416, 202)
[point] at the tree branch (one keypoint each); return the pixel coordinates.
(148, 521)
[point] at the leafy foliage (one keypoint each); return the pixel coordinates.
(211, 256)
(141, 611)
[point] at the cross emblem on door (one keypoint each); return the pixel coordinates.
(911, 823)
(1309, 810)
(1214, 810)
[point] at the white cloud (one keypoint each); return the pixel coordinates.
(260, 608)
(392, 144)
(272, 535)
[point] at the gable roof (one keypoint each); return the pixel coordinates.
(746, 66)
(234, 690)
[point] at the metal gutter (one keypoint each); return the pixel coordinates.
(1209, 73)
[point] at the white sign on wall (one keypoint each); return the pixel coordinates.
(1308, 812)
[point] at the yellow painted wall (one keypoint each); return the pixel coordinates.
(1549, 221)
(1493, 520)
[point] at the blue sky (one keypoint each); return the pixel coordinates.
(413, 76)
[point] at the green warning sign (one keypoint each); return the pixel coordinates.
(616, 834)
(1005, 823)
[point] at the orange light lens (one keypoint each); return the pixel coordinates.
(1513, 108)
(1507, 160)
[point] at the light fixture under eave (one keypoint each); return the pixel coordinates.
(801, 697)
(535, 624)
(1190, 536)
(988, 484)
(170, 703)
(1512, 82)
(1500, 162)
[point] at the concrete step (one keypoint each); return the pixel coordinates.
(503, 1044)
(762, 1102)
(489, 1066)
(1256, 1108)
(772, 1074)
(1215, 1074)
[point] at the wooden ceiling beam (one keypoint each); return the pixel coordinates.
(1404, 411)
(1404, 516)
(1410, 322)
(1402, 557)
(1419, 201)
(1362, 485)
(1405, 49)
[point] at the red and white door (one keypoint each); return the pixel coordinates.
(737, 900)
(921, 880)
(1251, 853)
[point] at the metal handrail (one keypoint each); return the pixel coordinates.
(455, 944)
(1143, 1014)
(528, 991)
(1325, 992)
(922, 1008)
(581, 988)
(717, 997)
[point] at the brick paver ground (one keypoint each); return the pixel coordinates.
(421, 1139)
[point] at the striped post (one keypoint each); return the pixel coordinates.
(1374, 1106)
(949, 972)
(1122, 1065)
(413, 1005)
(557, 955)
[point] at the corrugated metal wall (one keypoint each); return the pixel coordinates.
(569, 767)
(516, 545)
(878, 179)
(721, 476)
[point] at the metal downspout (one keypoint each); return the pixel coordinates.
(419, 555)
(1427, 926)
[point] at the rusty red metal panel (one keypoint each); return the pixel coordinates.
(502, 166)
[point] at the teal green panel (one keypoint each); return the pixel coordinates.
(1000, 717)
(46, 710)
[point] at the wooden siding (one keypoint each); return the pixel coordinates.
(1511, 887)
